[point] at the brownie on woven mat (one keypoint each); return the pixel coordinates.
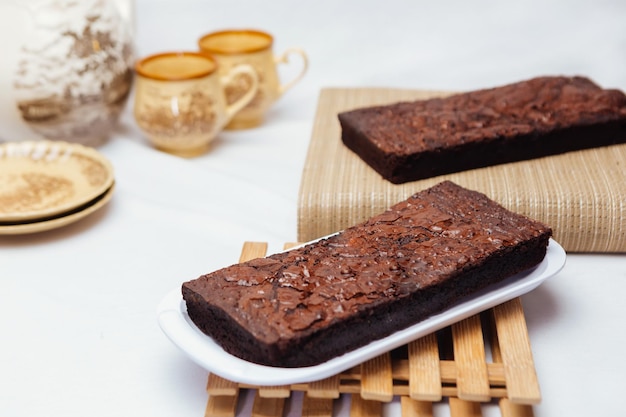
(543, 116)
(310, 304)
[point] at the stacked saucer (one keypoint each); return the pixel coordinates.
(48, 184)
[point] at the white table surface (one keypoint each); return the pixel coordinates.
(77, 305)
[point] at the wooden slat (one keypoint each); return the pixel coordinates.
(462, 408)
(252, 250)
(350, 380)
(325, 388)
(448, 371)
(267, 407)
(377, 379)
(424, 369)
(516, 355)
(277, 391)
(469, 354)
(414, 408)
(354, 387)
(221, 406)
(316, 407)
(510, 409)
(216, 385)
(360, 407)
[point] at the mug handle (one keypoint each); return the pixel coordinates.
(241, 69)
(284, 59)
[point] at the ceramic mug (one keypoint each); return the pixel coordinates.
(253, 47)
(180, 103)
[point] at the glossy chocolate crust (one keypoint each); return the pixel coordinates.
(310, 304)
(543, 116)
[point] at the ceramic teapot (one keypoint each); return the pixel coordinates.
(66, 68)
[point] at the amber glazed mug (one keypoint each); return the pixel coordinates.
(180, 100)
(253, 47)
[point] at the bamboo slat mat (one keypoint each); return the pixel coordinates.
(582, 194)
(484, 359)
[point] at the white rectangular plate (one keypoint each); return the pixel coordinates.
(176, 324)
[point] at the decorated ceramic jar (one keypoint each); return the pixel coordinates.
(66, 68)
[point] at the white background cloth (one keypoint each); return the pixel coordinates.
(77, 305)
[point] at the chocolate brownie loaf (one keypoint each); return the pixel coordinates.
(543, 116)
(310, 304)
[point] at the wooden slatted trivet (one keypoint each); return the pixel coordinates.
(484, 358)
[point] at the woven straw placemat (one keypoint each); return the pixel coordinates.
(581, 195)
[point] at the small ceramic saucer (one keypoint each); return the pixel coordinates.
(59, 220)
(41, 179)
